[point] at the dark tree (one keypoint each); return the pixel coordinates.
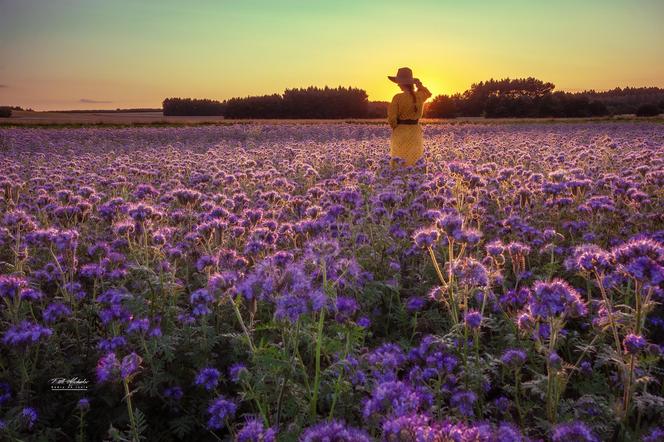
(192, 107)
(311, 102)
(516, 98)
(442, 106)
(5, 112)
(648, 110)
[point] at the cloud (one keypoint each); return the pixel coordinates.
(89, 101)
(3, 85)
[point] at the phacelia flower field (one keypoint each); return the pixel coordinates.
(283, 283)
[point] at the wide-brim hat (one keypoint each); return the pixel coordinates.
(404, 76)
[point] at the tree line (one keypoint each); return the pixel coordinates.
(310, 102)
(530, 97)
(519, 97)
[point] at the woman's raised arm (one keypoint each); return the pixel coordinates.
(422, 90)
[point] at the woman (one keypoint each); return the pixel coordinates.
(403, 114)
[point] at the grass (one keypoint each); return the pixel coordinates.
(86, 120)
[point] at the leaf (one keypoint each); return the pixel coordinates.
(141, 422)
(181, 426)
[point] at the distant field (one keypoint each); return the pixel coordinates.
(157, 118)
(23, 117)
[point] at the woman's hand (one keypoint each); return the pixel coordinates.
(418, 83)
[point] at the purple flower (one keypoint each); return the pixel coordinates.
(415, 303)
(174, 393)
(471, 236)
(464, 402)
(26, 333)
(222, 281)
(55, 311)
(28, 417)
(11, 286)
(502, 404)
(636, 248)
(334, 430)
(291, 306)
(451, 224)
(112, 344)
(586, 368)
(555, 298)
(236, 371)
(473, 319)
(654, 435)
(634, 344)
(516, 249)
(514, 358)
(208, 378)
(205, 262)
(590, 258)
(130, 365)
(396, 397)
(471, 273)
(405, 427)
(220, 409)
(426, 237)
(345, 308)
(83, 404)
(495, 248)
(31, 294)
(254, 431)
(138, 325)
(5, 393)
(388, 356)
(200, 301)
(645, 270)
(573, 431)
(515, 299)
(555, 361)
(108, 368)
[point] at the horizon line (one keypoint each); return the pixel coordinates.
(160, 105)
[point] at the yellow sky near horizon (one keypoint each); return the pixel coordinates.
(66, 54)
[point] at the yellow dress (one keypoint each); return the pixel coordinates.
(406, 141)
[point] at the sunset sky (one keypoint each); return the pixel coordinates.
(82, 54)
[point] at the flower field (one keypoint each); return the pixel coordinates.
(281, 282)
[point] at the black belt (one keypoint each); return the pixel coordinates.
(407, 121)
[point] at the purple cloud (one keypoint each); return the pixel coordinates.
(87, 100)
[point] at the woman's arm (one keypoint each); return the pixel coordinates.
(393, 112)
(422, 90)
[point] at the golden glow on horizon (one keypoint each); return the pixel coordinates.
(64, 54)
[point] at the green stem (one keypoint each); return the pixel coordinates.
(609, 311)
(517, 400)
(258, 404)
(130, 411)
(451, 301)
(80, 427)
(628, 388)
(551, 403)
(465, 353)
(319, 339)
(244, 328)
(337, 385)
